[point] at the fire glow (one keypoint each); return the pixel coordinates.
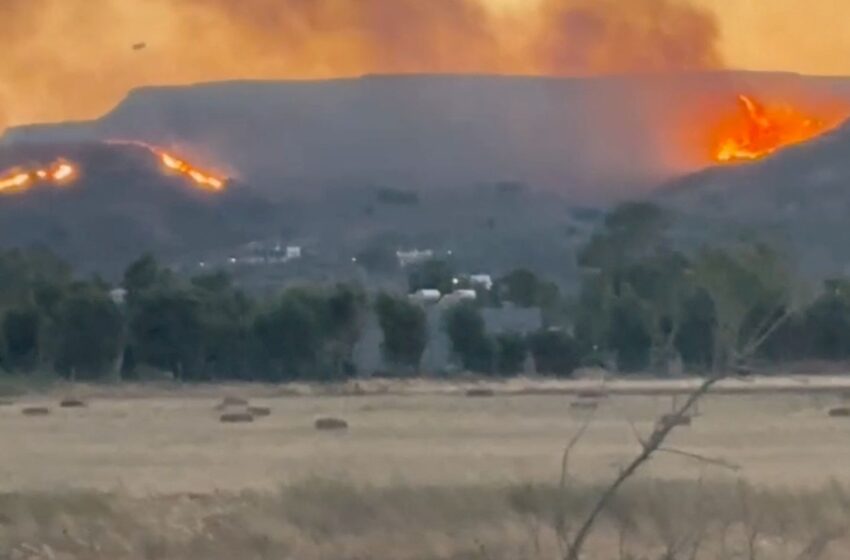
(204, 180)
(18, 180)
(759, 130)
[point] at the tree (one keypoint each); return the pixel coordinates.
(142, 274)
(524, 289)
(23, 271)
(511, 352)
(167, 331)
(631, 231)
(22, 329)
(695, 337)
(405, 329)
(345, 309)
(629, 334)
(555, 352)
(433, 274)
(750, 291)
(226, 315)
(90, 330)
(827, 322)
(467, 333)
(290, 335)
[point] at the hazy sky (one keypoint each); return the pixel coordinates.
(66, 59)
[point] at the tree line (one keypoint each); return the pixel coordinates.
(644, 305)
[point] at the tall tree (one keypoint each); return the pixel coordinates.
(290, 335)
(468, 336)
(405, 329)
(90, 333)
(167, 331)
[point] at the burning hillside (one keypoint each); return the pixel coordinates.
(20, 179)
(758, 130)
(122, 202)
(172, 163)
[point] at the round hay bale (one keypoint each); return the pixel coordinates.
(72, 403)
(673, 420)
(584, 405)
(237, 418)
(325, 424)
(840, 412)
(259, 411)
(231, 401)
(480, 392)
(35, 411)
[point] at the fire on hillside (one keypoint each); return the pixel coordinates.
(58, 173)
(758, 130)
(172, 163)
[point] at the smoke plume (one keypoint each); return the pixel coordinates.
(67, 59)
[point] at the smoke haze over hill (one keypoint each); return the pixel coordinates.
(67, 59)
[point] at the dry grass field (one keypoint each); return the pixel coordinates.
(422, 472)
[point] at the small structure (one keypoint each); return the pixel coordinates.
(118, 296)
(482, 280)
(408, 258)
(426, 296)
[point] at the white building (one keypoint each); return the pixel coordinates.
(483, 280)
(407, 258)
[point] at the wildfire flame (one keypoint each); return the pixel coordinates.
(19, 180)
(204, 180)
(759, 130)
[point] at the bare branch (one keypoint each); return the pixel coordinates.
(565, 458)
(655, 441)
(714, 461)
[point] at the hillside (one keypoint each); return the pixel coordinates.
(594, 140)
(122, 204)
(798, 198)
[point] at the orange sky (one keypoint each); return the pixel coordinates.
(71, 59)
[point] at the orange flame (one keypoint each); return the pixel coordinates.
(201, 178)
(205, 180)
(759, 130)
(20, 180)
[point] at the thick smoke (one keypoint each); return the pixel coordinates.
(72, 58)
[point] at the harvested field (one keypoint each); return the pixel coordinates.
(419, 475)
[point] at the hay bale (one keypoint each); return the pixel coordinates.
(259, 411)
(840, 412)
(72, 403)
(325, 424)
(35, 411)
(584, 405)
(236, 418)
(231, 401)
(675, 421)
(479, 392)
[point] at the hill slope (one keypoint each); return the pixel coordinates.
(121, 205)
(595, 139)
(799, 198)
